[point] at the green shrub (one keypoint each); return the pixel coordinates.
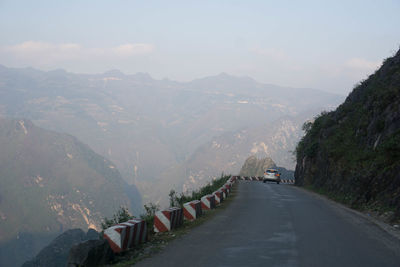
(311, 150)
(390, 148)
(148, 217)
(121, 216)
(178, 200)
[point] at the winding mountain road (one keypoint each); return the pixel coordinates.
(282, 225)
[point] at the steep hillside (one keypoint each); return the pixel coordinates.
(50, 182)
(353, 153)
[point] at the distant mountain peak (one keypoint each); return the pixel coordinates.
(53, 71)
(224, 75)
(142, 76)
(114, 73)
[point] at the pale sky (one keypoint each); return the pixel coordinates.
(328, 45)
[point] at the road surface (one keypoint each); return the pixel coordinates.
(281, 225)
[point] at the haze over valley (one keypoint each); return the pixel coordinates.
(163, 134)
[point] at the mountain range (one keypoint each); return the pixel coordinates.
(163, 134)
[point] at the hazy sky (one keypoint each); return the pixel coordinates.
(327, 45)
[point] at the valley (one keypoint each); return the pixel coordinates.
(162, 134)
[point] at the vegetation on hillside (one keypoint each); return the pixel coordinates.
(178, 200)
(123, 214)
(354, 151)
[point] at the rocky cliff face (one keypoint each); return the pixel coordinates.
(353, 153)
(256, 167)
(50, 182)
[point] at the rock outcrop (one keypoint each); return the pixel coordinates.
(353, 153)
(90, 253)
(56, 253)
(256, 167)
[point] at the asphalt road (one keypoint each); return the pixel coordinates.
(281, 225)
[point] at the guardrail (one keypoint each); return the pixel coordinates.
(127, 235)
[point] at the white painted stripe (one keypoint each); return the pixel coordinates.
(131, 231)
(217, 199)
(138, 225)
(114, 235)
(188, 207)
(206, 201)
(164, 220)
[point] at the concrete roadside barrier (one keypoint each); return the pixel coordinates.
(177, 217)
(224, 192)
(126, 235)
(140, 232)
(228, 188)
(287, 181)
(192, 210)
(219, 197)
(116, 236)
(208, 202)
(162, 221)
(168, 219)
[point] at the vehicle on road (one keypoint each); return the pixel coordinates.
(272, 175)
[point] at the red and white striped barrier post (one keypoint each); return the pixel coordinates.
(228, 188)
(287, 181)
(126, 235)
(219, 197)
(140, 234)
(165, 220)
(177, 217)
(224, 192)
(192, 210)
(162, 221)
(116, 236)
(208, 202)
